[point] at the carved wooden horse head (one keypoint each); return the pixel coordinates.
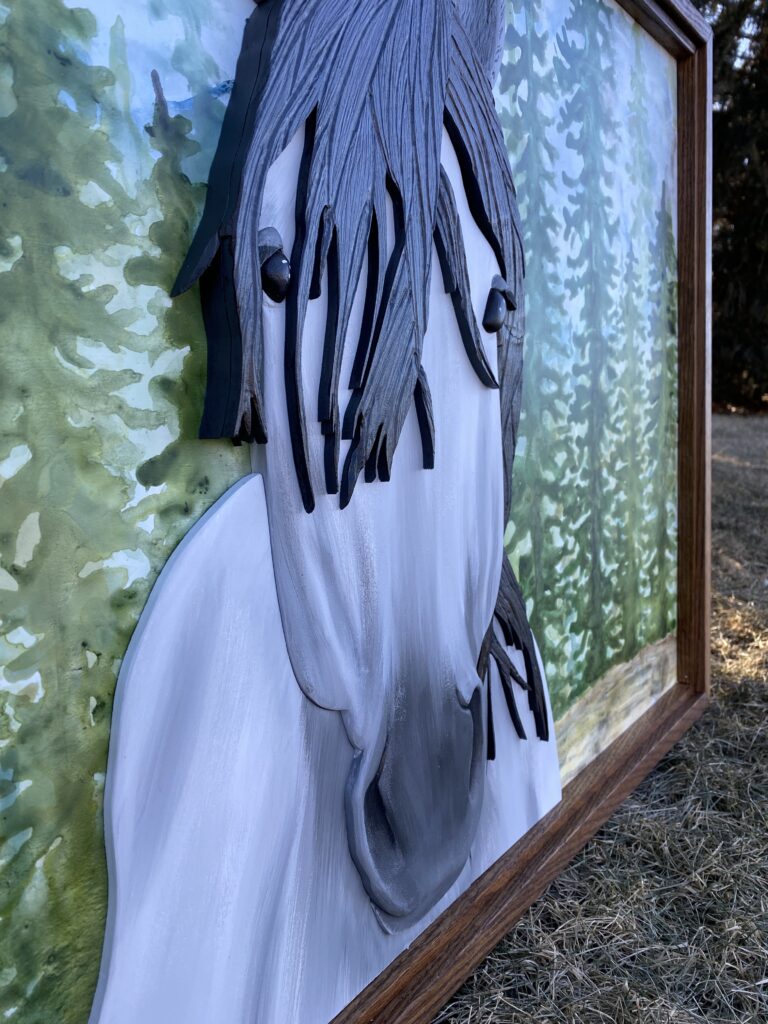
(361, 148)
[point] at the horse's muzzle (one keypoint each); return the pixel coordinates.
(413, 801)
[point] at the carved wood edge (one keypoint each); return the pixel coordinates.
(675, 24)
(419, 981)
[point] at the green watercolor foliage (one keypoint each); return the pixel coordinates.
(102, 382)
(587, 102)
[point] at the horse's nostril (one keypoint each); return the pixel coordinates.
(276, 276)
(412, 811)
(495, 311)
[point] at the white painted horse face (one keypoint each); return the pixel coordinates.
(385, 603)
(362, 140)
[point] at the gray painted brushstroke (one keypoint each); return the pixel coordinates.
(371, 87)
(484, 23)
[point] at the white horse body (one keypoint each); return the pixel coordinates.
(233, 894)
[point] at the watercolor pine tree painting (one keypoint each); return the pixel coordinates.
(599, 418)
(360, 650)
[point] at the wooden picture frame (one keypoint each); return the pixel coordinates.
(420, 980)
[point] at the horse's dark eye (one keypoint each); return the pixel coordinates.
(495, 311)
(276, 275)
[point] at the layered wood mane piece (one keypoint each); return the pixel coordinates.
(449, 244)
(234, 398)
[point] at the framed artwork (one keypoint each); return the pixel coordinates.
(296, 727)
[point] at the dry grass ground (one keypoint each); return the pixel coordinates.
(664, 915)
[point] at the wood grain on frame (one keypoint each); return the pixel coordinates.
(420, 980)
(694, 334)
